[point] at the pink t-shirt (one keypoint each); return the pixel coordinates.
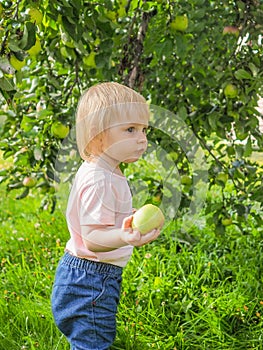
(98, 197)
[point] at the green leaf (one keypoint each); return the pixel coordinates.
(253, 69)
(181, 45)
(14, 46)
(242, 74)
(29, 36)
(27, 123)
(182, 113)
(106, 45)
(214, 121)
(5, 66)
(163, 48)
(248, 148)
(6, 84)
(69, 27)
(23, 194)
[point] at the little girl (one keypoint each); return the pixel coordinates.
(111, 124)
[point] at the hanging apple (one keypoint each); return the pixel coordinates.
(59, 130)
(180, 23)
(227, 221)
(29, 181)
(186, 180)
(230, 91)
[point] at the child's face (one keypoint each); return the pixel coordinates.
(125, 142)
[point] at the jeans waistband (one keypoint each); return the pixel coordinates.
(90, 265)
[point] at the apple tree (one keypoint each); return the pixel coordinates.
(200, 60)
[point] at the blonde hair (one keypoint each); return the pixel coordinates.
(103, 106)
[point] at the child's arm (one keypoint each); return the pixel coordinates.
(101, 239)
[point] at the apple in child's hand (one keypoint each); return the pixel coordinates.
(147, 218)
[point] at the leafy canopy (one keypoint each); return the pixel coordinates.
(201, 60)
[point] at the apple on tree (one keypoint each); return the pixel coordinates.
(59, 130)
(147, 218)
(230, 91)
(180, 23)
(29, 181)
(227, 221)
(186, 180)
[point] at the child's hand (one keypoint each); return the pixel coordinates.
(134, 237)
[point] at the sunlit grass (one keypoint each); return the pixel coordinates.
(29, 251)
(206, 295)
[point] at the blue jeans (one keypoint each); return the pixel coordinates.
(85, 298)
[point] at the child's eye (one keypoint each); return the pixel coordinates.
(131, 129)
(145, 130)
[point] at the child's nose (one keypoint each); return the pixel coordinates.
(142, 137)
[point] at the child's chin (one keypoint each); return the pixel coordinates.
(131, 160)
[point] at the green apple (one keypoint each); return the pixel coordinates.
(230, 91)
(172, 156)
(180, 23)
(29, 181)
(147, 218)
(186, 180)
(59, 130)
(226, 221)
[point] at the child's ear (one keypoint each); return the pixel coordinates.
(102, 140)
(96, 145)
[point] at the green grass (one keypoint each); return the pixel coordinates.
(206, 295)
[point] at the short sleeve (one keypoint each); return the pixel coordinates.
(97, 204)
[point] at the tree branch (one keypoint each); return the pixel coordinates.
(75, 82)
(134, 50)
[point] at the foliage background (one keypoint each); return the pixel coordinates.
(134, 42)
(205, 286)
